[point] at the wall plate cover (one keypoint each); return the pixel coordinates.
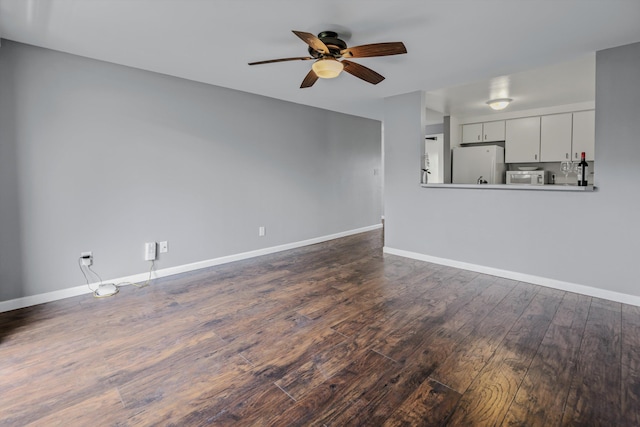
(86, 258)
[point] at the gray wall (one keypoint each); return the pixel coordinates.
(434, 129)
(589, 239)
(100, 157)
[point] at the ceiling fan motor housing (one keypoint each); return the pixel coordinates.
(331, 40)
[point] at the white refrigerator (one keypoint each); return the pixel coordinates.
(478, 164)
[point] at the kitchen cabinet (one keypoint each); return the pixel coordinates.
(555, 137)
(472, 133)
(522, 140)
(493, 131)
(584, 135)
(566, 136)
(483, 132)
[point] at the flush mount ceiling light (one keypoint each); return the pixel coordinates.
(327, 68)
(499, 104)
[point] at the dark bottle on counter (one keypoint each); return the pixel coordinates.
(583, 171)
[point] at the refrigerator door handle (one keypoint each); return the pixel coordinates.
(493, 170)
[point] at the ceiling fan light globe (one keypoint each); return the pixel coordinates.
(499, 104)
(327, 68)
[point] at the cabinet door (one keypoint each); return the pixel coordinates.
(472, 133)
(493, 131)
(522, 142)
(584, 134)
(555, 138)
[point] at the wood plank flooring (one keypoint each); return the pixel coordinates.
(332, 334)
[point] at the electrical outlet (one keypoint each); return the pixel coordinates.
(86, 258)
(150, 251)
(164, 247)
(261, 231)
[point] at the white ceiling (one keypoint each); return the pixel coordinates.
(450, 43)
(569, 82)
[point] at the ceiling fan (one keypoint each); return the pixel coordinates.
(327, 49)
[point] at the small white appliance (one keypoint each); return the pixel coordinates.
(528, 177)
(478, 164)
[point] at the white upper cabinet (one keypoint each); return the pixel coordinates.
(472, 133)
(548, 138)
(493, 131)
(584, 138)
(483, 132)
(555, 137)
(522, 143)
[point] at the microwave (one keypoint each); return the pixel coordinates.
(528, 177)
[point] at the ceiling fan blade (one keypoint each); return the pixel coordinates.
(300, 58)
(309, 79)
(362, 72)
(375, 49)
(313, 41)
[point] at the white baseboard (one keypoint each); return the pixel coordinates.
(170, 271)
(522, 277)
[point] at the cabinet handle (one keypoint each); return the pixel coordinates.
(576, 155)
(535, 156)
(566, 155)
(485, 137)
(478, 137)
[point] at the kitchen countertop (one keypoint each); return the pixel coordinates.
(550, 187)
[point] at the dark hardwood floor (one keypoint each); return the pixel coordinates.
(331, 334)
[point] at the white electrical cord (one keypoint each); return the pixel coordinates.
(95, 274)
(151, 268)
(95, 291)
(86, 279)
